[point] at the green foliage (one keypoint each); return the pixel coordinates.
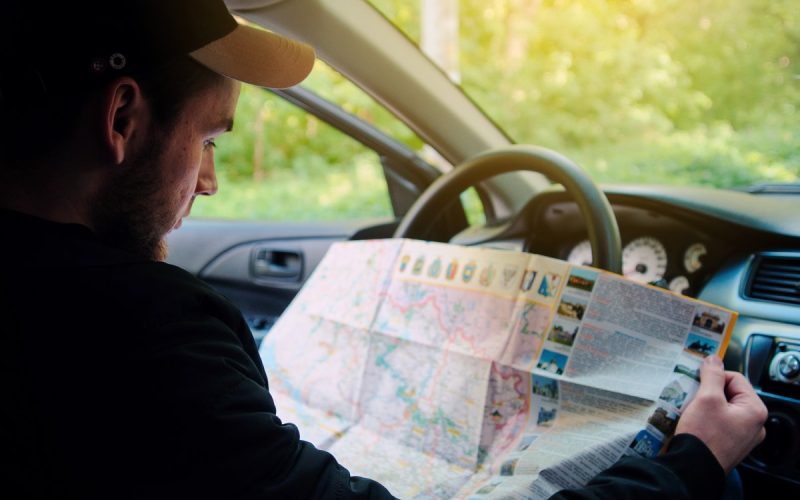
(334, 194)
(714, 157)
(284, 164)
(273, 136)
(672, 91)
(682, 92)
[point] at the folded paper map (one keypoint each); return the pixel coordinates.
(445, 371)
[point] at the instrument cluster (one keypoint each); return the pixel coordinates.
(663, 249)
(645, 259)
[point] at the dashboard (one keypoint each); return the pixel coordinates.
(677, 238)
(734, 249)
(737, 250)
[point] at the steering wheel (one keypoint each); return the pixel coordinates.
(593, 204)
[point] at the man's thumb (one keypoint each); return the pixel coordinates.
(712, 376)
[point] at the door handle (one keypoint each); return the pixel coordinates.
(274, 263)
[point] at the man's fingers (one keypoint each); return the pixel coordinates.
(741, 394)
(712, 377)
(737, 385)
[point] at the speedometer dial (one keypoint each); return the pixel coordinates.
(581, 254)
(644, 260)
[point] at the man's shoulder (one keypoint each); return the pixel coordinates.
(153, 276)
(63, 271)
(153, 293)
(71, 255)
(165, 292)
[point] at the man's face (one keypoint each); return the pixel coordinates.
(163, 179)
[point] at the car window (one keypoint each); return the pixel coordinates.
(281, 163)
(331, 85)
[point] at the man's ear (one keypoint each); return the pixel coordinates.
(125, 114)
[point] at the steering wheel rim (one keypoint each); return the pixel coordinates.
(594, 206)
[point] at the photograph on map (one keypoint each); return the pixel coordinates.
(419, 264)
(545, 387)
(507, 469)
(549, 285)
(509, 275)
(676, 392)
(552, 362)
(698, 345)
(582, 279)
(452, 270)
(563, 332)
(693, 373)
(435, 268)
(572, 307)
(526, 441)
(489, 486)
(711, 320)
(546, 415)
(487, 275)
(404, 262)
(664, 421)
(646, 444)
(528, 277)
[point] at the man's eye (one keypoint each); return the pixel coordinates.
(209, 144)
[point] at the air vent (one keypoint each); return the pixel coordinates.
(775, 278)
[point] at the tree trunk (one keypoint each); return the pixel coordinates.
(259, 147)
(440, 35)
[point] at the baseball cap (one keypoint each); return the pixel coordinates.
(63, 40)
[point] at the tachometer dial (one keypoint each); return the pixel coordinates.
(644, 260)
(692, 256)
(581, 254)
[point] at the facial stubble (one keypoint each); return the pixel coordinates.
(133, 213)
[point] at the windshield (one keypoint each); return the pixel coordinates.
(683, 92)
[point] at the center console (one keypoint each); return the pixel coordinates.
(772, 363)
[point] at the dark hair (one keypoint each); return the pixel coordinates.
(37, 111)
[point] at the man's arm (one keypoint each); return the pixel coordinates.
(200, 421)
(720, 426)
(227, 440)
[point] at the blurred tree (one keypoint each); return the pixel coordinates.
(439, 38)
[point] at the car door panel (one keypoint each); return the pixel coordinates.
(260, 266)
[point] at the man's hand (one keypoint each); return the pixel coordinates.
(726, 414)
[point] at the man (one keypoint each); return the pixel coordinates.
(125, 377)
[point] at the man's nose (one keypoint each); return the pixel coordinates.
(207, 180)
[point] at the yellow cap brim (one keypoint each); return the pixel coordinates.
(258, 57)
